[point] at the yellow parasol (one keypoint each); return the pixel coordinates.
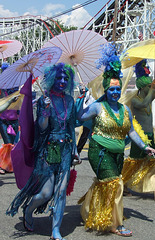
(15, 105)
(138, 51)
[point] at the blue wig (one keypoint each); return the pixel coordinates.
(4, 66)
(139, 69)
(51, 73)
(142, 74)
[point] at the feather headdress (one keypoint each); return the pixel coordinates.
(112, 63)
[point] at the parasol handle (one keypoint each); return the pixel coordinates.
(127, 80)
(38, 84)
(77, 71)
(154, 69)
(75, 66)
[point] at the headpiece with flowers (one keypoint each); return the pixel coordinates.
(142, 73)
(112, 64)
(4, 66)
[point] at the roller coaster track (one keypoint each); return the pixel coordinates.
(32, 31)
(134, 18)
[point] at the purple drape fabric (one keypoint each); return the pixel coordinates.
(22, 155)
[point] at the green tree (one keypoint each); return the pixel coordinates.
(58, 25)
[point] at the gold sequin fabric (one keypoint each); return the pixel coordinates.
(101, 205)
(106, 126)
(134, 170)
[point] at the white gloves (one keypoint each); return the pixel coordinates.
(88, 100)
(47, 100)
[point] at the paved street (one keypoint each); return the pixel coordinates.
(139, 210)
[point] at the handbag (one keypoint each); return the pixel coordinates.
(54, 155)
(11, 131)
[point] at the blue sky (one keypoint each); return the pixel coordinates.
(49, 8)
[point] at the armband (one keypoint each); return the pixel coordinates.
(144, 147)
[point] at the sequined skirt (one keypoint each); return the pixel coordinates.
(104, 163)
(139, 174)
(139, 169)
(102, 207)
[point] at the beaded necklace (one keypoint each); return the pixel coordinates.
(57, 113)
(119, 120)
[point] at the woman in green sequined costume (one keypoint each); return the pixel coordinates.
(102, 207)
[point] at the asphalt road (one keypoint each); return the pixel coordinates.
(139, 210)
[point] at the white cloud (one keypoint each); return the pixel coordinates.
(7, 13)
(31, 11)
(52, 9)
(77, 18)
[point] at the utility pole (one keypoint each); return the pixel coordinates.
(115, 21)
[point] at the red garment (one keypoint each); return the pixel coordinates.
(5, 157)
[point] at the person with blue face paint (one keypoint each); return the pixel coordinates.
(102, 207)
(141, 177)
(54, 151)
(113, 94)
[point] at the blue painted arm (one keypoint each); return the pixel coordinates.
(89, 112)
(42, 114)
